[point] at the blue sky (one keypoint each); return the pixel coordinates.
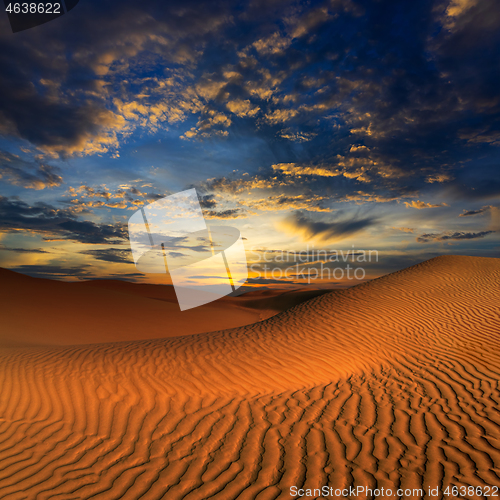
(372, 124)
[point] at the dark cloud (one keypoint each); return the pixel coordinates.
(469, 213)
(150, 197)
(176, 254)
(458, 235)
(231, 213)
(269, 281)
(396, 90)
(395, 78)
(53, 271)
(111, 255)
(370, 101)
(174, 243)
(55, 99)
(302, 223)
(90, 232)
(23, 250)
(55, 223)
(133, 277)
(27, 174)
(207, 201)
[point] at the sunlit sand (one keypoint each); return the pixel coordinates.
(393, 383)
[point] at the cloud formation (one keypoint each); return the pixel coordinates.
(307, 112)
(457, 235)
(300, 223)
(111, 255)
(419, 205)
(470, 213)
(54, 224)
(30, 175)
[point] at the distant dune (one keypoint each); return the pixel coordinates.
(393, 383)
(40, 311)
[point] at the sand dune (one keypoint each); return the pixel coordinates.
(112, 311)
(393, 383)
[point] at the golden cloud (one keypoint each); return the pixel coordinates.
(242, 108)
(295, 170)
(419, 205)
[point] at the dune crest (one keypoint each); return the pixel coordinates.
(393, 383)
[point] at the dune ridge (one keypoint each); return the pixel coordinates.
(393, 383)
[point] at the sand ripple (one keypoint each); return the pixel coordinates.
(394, 383)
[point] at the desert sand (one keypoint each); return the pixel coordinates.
(49, 312)
(393, 383)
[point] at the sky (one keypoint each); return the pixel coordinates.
(341, 125)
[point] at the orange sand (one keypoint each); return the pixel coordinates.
(393, 383)
(40, 311)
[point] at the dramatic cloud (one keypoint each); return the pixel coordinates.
(60, 99)
(301, 112)
(298, 170)
(420, 205)
(208, 201)
(481, 136)
(85, 198)
(225, 214)
(22, 250)
(459, 235)
(55, 223)
(30, 175)
(301, 224)
(54, 271)
(111, 255)
(469, 213)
